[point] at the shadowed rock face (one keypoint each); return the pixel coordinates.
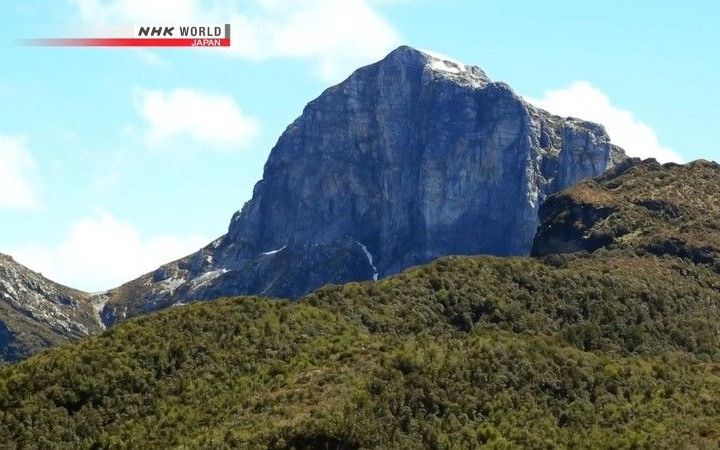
(410, 158)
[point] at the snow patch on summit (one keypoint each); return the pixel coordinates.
(446, 66)
(453, 69)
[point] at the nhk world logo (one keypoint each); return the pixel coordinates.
(150, 36)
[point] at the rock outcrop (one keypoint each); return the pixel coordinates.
(36, 313)
(638, 207)
(411, 158)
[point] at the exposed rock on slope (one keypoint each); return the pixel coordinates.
(411, 158)
(638, 206)
(36, 313)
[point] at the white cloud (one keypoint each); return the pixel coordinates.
(207, 118)
(338, 35)
(103, 13)
(585, 101)
(17, 174)
(100, 252)
(335, 35)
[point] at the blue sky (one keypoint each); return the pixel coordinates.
(112, 161)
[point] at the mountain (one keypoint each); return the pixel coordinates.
(36, 313)
(411, 158)
(608, 338)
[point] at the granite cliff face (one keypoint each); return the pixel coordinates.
(36, 313)
(410, 158)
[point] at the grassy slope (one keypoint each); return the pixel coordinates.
(615, 348)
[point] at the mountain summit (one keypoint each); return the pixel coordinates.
(411, 158)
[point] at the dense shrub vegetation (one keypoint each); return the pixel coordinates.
(618, 348)
(462, 352)
(666, 209)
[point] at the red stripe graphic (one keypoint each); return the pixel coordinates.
(129, 42)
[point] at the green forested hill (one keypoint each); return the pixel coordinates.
(617, 348)
(463, 352)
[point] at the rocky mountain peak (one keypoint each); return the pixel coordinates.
(411, 158)
(434, 65)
